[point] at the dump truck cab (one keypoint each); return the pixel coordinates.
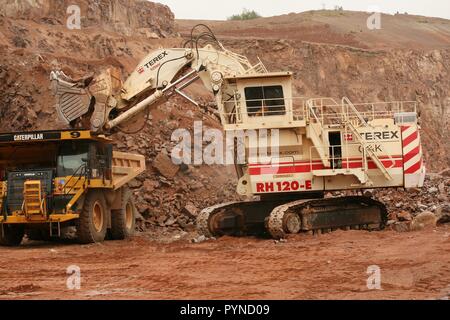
(53, 179)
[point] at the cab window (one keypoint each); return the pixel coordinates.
(71, 158)
(265, 101)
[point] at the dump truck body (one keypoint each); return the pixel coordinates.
(45, 177)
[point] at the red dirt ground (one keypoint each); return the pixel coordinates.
(333, 266)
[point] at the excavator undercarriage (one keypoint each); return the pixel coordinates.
(278, 219)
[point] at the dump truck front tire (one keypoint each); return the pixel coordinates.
(12, 235)
(93, 221)
(123, 221)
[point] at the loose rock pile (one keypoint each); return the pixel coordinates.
(170, 195)
(417, 209)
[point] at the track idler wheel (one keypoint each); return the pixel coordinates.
(281, 223)
(221, 220)
(292, 223)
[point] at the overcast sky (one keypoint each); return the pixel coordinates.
(221, 9)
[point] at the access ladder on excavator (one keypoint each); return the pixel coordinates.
(348, 119)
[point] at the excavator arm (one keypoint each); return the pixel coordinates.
(107, 103)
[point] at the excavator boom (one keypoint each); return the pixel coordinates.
(159, 75)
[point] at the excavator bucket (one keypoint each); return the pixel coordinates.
(72, 97)
(89, 97)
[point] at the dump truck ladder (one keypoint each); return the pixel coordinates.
(34, 203)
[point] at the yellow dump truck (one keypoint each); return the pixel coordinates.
(51, 180)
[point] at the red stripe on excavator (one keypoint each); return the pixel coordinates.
(410, 139)
(414, 152)
(413, 169)
(283, 163)
(283, 170)
(404, 128)
(396, 157)
(307, 168)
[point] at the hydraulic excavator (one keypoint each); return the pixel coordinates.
(322, 144)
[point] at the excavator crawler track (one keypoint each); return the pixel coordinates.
(326, 215)
(235, 218)
(280, 219)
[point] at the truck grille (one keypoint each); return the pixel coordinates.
(16, 180)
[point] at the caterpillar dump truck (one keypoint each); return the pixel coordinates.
(316, 145)
(50, 180)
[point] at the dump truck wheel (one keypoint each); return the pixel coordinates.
(92, 224)
(123, 221)
(12, 235)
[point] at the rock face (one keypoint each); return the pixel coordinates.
(124, 16)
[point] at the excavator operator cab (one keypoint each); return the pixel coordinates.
(257, 101)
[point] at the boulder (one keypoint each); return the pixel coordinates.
(163, 163)
(392, 216)
(424, 221)
(401, 226)
(433, 190)
(404, 216)
(443, 213)
(149, 186)
(191, 210)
